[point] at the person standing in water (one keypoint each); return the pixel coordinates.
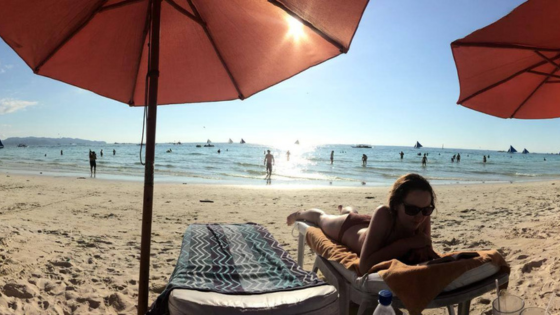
(61, 153)
(484, 159)
(268, 161)
(101, 152)
(458, 157)
(114, 151)
(332, 157)
(424, 160)
(288, 155)
(92, 163)
(402, 154)
(364, 160)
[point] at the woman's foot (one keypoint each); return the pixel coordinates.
(292, 218)
(346, 210)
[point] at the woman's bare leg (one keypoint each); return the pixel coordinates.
(330, 224)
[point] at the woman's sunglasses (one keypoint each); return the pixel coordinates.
(414, 210)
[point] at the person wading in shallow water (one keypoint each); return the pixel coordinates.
(268, 161)
(92, 162)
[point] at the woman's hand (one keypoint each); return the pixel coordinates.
(419, 240)
(420, 255)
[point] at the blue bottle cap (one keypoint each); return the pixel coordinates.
(385, 297)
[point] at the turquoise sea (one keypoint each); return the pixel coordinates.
(308, 165)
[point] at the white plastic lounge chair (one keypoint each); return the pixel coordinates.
(363, 290)
(241, 269)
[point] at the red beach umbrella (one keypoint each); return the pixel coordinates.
(154, 52)
(511, 68)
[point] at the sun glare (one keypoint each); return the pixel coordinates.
(295, 29)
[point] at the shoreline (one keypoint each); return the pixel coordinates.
(163, 179)
(73, 244)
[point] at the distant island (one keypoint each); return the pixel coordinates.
(48, 141)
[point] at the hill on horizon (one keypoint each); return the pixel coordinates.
(48, 141)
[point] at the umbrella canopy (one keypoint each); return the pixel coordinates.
(511, 68)
(209, 50)
(150, 52)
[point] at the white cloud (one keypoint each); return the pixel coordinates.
(8, 105)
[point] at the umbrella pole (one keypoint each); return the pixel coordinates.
(153, 74)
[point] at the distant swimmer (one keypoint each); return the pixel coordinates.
(61, 153)
(114, 151)
(269, 161)
(424, 160)
(545, 159)
(101, 153)
(484, 159)
(45, 154)
(458, 157)
(419, 154)
(332, 157)
(92, 163)
(288, 155)
(402, 154)
(219, 151)
(364, 160)
(169, 151)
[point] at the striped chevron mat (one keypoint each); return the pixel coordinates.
(234, 259)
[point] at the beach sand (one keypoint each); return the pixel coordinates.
(71, 245)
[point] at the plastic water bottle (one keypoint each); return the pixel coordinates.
(384, 306)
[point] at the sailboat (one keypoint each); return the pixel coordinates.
(511, 150)
(230, 141)
(242, 141)
(1, 145)
(417, 145)
(525, 151)
(208, 144)
(297, 142)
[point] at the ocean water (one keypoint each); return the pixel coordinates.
(308, 165)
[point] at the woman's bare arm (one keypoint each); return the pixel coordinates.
(375, 251)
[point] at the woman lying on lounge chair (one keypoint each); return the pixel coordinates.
(398, 231)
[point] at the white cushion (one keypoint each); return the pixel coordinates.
(320, 299)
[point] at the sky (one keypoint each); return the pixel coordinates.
(397, 85)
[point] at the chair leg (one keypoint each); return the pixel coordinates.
(450, 310)
(464, 308)
(300, 250)
(367, 305)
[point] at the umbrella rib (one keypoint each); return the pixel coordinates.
(544, 74)
(534, 91)
(547, 59)
(505, 80)
(207, 31)
(185, 12)
(70, 36)
(118, 5)
(499, 45)
(145, 34)
(311, 26)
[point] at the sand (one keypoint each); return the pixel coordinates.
(71, 245)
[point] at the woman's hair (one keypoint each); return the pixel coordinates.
(405, 184)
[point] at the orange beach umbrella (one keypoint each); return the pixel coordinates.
(511, 68)
(155, 52)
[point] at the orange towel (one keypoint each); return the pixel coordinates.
(415, 286)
